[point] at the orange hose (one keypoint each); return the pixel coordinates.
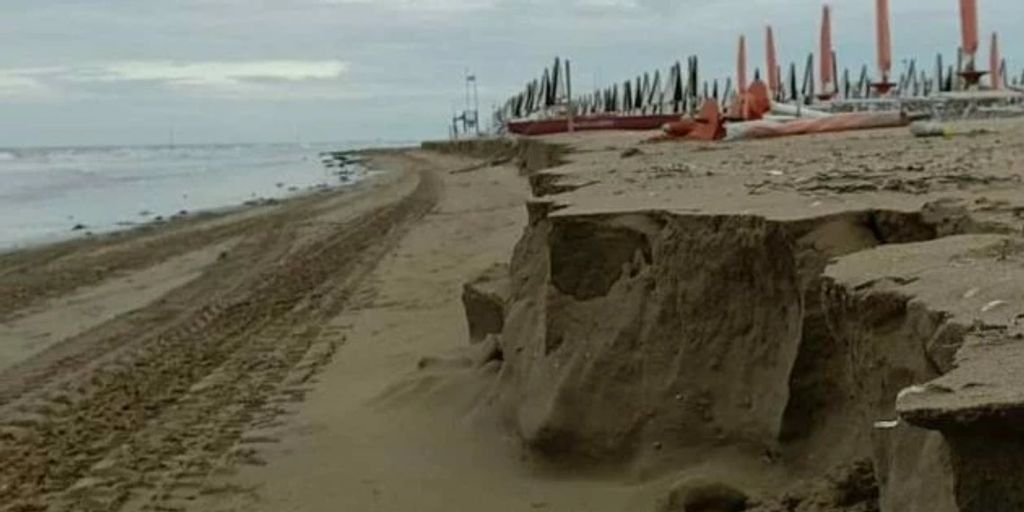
(884, 39)
(773, 64)
(680, 128)
(969, 25)
(834, 123)
(826, 47)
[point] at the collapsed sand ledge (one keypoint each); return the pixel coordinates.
(529, 154)
(650, 338)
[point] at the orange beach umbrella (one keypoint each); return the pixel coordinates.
(884, 39)
(826, 48)
(969, 25)
(772, 63)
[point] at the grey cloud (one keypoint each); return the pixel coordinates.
(404, 59)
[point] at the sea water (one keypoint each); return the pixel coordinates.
(53, 193)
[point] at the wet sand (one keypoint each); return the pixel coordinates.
(133, 362)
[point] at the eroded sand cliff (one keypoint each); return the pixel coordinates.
(757, 312)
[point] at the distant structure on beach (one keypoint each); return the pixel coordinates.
(546, 104)
(469, 118)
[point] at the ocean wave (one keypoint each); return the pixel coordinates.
(8, 156)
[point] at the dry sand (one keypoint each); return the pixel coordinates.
(154, 348)
(720, 320)
(382, 435)
(196, 365)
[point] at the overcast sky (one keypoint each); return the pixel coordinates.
(129, 71)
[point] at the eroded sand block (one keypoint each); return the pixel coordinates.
(933, 331)
(629, 331)
(675, 305)
(529, 154)
(484, 300)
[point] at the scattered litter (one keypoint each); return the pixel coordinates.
(776, 173)
(630, 152)
(912, 390)
(993, 305)
(971, 293)
(887, 425)
(929, 129)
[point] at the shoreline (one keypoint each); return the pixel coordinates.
(175, 304)
(76, 215)
(130, 229)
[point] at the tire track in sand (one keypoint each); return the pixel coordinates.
(142, 425)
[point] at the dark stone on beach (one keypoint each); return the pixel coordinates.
(78, 227)
(703, 496)
(483, 300)
(630, 152)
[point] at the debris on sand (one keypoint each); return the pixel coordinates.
(703, 496)
(929, 129)
(630, 152)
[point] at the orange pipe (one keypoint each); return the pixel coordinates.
(969, 25)
(993, 66)
(826, 49)
(884, 39)
(773, 64)
(680, 128)
(741, 66)
(834, 123)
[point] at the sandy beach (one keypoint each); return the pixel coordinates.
(677, 326)
(141, 355)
